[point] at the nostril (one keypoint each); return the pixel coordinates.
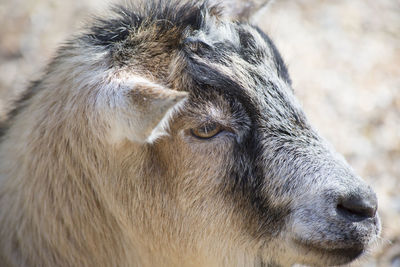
(358, 208)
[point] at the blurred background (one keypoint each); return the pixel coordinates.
(343, 56)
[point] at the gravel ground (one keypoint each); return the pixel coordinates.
(343, 56)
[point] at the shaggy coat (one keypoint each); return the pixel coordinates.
(168, 134)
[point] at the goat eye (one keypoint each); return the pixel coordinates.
(206, 131)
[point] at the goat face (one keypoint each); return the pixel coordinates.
(243, 156)
(243, 166)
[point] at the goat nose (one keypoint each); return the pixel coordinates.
(358, 207)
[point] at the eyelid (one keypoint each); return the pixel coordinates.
(222, 129)
(202, 132)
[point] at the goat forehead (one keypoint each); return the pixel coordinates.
(238, 60)
(242, 46)
(234, 43)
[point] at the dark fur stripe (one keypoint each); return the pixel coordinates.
(279, 63)
(247, 176)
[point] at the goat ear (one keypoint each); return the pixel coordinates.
(244, 10)
(142, 110)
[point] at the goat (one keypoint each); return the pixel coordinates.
(169, 135)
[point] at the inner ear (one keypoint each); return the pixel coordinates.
(141, 110)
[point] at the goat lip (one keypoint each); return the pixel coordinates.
(338, 255)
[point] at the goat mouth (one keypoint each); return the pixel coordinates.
(333, 256)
